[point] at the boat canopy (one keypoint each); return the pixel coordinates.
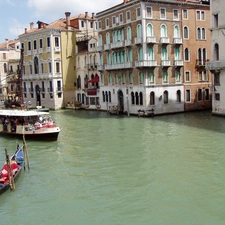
(23, 113)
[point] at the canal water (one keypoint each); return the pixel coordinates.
(109, 170)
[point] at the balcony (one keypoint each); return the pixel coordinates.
(178, 41)
(107, 47)
(118, 66)
(57, 49)
(40, 50)
(200, 63)
(178, 62)
(50, 89)
(128, 42)
(99, 48)
(215, 65)
(151, 40)
(165, 63)
(138, 40)
(92, 66)
(146, 63)
(31, 89)
(59, 89)
(118, 44)
(164, 40)
(100, 67)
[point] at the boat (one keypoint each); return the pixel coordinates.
(16, 163)
(34, 124)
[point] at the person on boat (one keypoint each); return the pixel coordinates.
(5, 168)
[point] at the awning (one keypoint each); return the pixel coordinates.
(94, 80)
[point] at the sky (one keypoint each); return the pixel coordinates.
(16, 15)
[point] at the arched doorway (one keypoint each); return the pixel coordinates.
(38, 95)
(120, 101)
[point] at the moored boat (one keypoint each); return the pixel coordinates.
(31, 123)
(16, 163)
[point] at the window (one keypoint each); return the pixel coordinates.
(129, 33)
(149, 30)
(48, 41)
(163, 31)
(217, 96)
(188, 95)
(187, 76)
(217, 79)
(22, 45)
(201, 34)
(186, 32)
(40, 43)
(149, 12)
(177, 53)
(140, 54)
(166, 97)
(203, 76)
(175, 14)
(216, 52)
(121, 18)
(82, 23)
(31, 72)
(56, 42)
(114, 20)
(107, 38)
(109, 79)
(99, 25)
(141, 78)
(165, 76)
(200, 15)
(107, 23)
(199, 94)
(138, 13)
(152, 98)
(91, 24)
(36, 65)
(186, 54)
(128, 16)
(49, 67)
(207, 94)
(116, 78)
(164, 54)
(57, 67)
(162, 13)
(151, 77)
(130, 58)
(176, 31)
(42, 68)
(139, 30)
(29, 45)
(215, 20)
(131, 78)
(178, 76)
(150, 53)
(185, 14)
(178, 96)
(35, 44)
(4, 55)
(123, 78)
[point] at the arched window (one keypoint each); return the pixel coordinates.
(123, 78)
(79, 82)
(165, 97)
(124, 56)
(216, 52)
(150, 53)
(36, 65)
(177, 53)
(100, 40)
(110, 78)
(100, 59)
(176, 31)
(141, 98)
(108, 58)
(163, 31)
(140, 54)
(199, 33)
(152, 98)
(107, 38)
(151, 77)
(116, 78)
(203, 34)
(5, 68)
(141, 78)
(78, 62)
(132, 97)
(136, 98)
(186, 54)
(129, 33)
(114, 36)
(130, 58)
(139, 31)
(164, 53)
(149, 30)
(186, 32)
(131, 78)
(178, 96)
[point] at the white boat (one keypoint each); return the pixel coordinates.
(33, 124)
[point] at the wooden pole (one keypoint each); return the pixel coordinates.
(10, 175)
(25, 151)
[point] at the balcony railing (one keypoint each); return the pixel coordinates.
(164, 40)
(100, 67)
(151, 40)
(215, 65)
(118, 44)
(31, 89)
(178, 62)
(146, 63)
(177, 41)
(128, 42)
(50, 89)
(165, 63)
(138, 40)
(118, 66)
(107, 47)
(99, 48)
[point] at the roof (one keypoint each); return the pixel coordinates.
(22, 113)
(10, 44)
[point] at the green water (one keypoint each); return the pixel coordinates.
(109, 170)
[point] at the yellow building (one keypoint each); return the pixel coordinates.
(49, 74)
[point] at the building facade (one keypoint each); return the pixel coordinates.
(49, 74)
(217, 63)
(142, 46)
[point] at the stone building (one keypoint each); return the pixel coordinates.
(152, 56)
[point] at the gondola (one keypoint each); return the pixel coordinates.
(16, 163)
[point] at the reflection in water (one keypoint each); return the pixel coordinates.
(123, 170)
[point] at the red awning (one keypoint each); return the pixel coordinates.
(94, 80)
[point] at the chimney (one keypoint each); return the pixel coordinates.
(86, 14)
(31, 25)
(93, 15)
(25, 30)
(67, 20)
